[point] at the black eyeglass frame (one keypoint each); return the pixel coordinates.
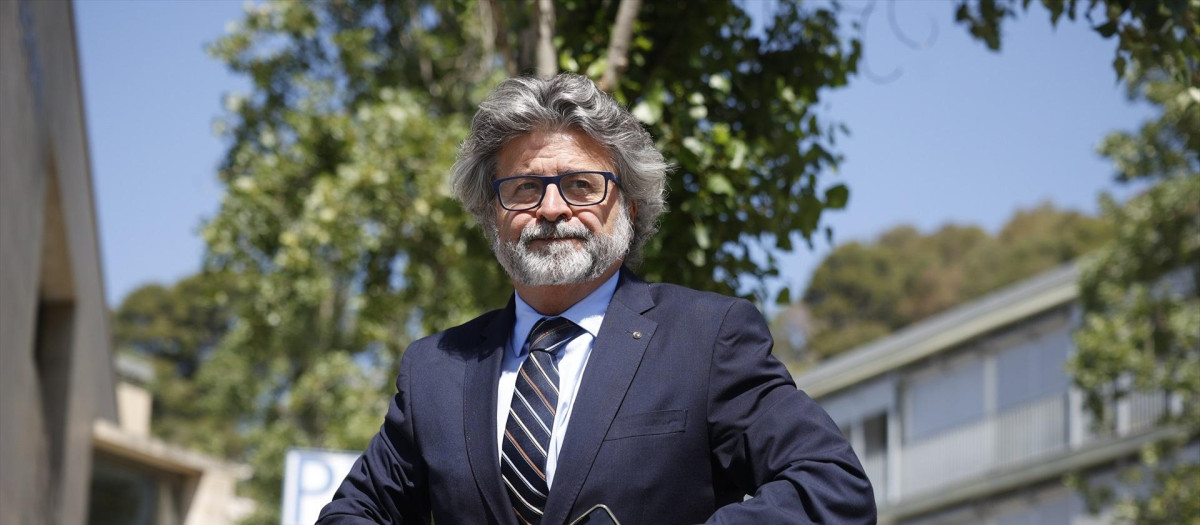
(547, 180)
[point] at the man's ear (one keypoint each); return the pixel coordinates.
(632, 211)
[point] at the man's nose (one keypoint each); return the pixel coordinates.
(553, 207)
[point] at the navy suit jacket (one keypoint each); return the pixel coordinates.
(681, 412)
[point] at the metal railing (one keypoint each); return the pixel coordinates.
(1030, 430)
(1019, 435)
(949, 456)
(876, 467)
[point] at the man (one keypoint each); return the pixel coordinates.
(592, 386)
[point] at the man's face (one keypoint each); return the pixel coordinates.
(557, 243)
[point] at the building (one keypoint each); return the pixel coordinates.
(73, 438)
(139, 479)
(970, 416)
(56, 373)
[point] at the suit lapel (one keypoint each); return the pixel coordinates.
(616, 355)
(479, 413)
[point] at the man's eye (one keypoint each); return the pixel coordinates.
(529, 186)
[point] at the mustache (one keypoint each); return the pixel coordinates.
(545, 230)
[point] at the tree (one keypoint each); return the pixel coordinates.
(1159, 32)
(1033, 241)
(1141, 308)
(338, 228)
(790, 328)
(863, 291)
(178, 329)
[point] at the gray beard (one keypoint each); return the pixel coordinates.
(563, 263)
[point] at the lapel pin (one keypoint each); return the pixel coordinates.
(637, 335)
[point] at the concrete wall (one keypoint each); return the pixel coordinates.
(134, 404)
(56, 374)
(202, 489)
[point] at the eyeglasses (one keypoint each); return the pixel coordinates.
(578, 188)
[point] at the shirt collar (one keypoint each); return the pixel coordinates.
(588, 313)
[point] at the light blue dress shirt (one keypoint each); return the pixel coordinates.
(588, 313)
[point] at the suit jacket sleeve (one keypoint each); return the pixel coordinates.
(775, 442)
(388, 482)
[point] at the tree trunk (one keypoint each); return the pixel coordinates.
(618, 45)
(547, 56)
(495, 37)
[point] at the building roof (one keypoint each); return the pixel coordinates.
(943, 331)
(134, 369)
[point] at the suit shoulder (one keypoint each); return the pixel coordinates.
(665, 294)
(463, 336)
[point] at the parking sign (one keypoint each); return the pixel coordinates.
(310, 478)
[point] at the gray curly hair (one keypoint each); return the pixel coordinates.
(524, 105)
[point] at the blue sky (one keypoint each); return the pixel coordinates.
(957, 134)
(966, 135)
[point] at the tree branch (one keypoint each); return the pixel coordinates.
(487, 35)
(618, 46)
(547, 56)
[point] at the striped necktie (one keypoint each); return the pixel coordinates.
(531, 418)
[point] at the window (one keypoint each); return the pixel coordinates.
(942, 398)
(1033, 369)
(875, 436)
(874, 454)
(125, 493)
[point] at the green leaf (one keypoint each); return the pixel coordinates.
(1107, 29)
(719, 184)
(719, 83)
(963, 13)
(595, 69)
(649, 111)
(739, 154)
(720, 133)
(700, 232)
(837, 196)
(1056, 10)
